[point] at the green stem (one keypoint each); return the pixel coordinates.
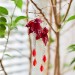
(6, 44)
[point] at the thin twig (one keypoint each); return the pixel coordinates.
(34, 12)
(42, 15)
(6, 45)
(3, 67)
(67, 11)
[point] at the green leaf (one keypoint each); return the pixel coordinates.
(73, 61)
(2, 30)
(3, 11)
(2, 27)
(2, 33)
(20, 18)
(18, 3)
(3, 20)
(71, 18)
(71, 48)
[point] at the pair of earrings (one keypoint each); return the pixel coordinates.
(35, 61)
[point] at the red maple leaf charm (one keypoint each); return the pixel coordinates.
(44, 58)
(41, 68)
(30, 25)
(34, 26)
(34, 62)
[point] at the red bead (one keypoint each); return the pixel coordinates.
(34, 62)
(34, 52)
(44, 58)
(41, 68)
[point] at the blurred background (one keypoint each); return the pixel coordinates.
(18, 63)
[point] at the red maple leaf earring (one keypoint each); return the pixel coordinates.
(35, 27)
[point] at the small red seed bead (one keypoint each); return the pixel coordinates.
(34, 52)
(44, 58)
(41, 68)
(34, 62)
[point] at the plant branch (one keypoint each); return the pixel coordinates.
(6, 44)
(30, 68)
(27, 5)
(67, 11)
(57, 22)
(3, 67)
(54, 11)
(9, 29)
(42, 15)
